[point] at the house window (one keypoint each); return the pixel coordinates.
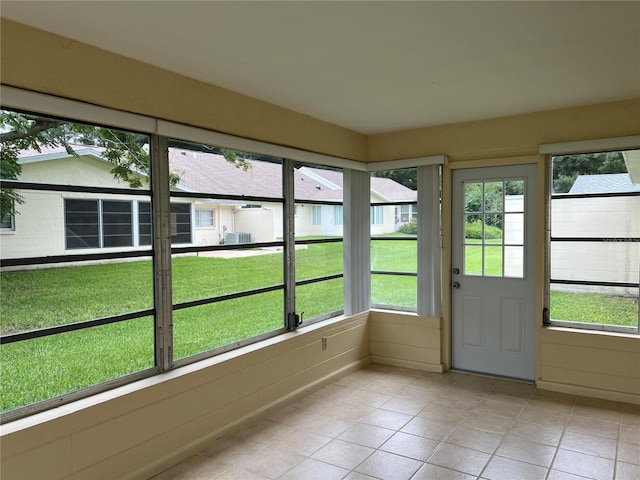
(205, 218)
(82, 223)
(98, 223)
(252, 205)
(594, 241)
(7, 222)
(144, 223)
(116, 223)
(316, 215)
(377, 215)
(338, 215)
(180, 223)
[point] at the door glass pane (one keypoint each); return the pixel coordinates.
(493, 261)
(473, 259)
(514, 196)
(493, 228)
(514, 262)
(493, 196)
(473, 228)
(488, 229)
(514, 229)
(473, 197)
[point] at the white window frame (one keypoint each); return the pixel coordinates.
(198, 219)
(573, 148)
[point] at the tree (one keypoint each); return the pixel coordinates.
(126, 151)
(567, 168)
(406, 176)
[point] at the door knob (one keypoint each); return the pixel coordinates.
(456, 284)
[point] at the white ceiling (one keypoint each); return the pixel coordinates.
(374, 67)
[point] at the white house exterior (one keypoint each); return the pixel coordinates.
(599, 217)
(44, 224)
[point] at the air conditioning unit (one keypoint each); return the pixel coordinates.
(237, 237)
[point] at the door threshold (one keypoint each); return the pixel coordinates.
(492, 375)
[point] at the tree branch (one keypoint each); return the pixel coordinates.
(40, 125)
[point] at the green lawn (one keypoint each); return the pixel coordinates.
(47, 367)
(593, 308)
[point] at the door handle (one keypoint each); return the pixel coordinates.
(456, 285)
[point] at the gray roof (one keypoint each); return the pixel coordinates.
(604, 183)
(205, 172)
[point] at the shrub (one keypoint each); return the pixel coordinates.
(410, 228)
(474, 230)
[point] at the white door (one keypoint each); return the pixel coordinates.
(493, 277)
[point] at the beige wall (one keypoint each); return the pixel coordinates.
(510, 136)
(405, 340)
(39, 61)
(258, 222)
(589, 363)
(141, 429)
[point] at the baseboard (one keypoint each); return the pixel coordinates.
(589, 392)
(425, 367)
(185, 451)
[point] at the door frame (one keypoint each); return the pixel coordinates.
(447, 239)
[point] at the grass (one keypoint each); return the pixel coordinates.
(594, 308)
(51, 366)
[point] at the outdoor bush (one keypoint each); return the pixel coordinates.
(474, 230)
(410, 228)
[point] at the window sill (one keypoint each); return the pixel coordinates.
(580, 328)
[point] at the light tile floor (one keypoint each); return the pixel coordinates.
(398, 424)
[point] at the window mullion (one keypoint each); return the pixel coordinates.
(161, 211)
(289, 210)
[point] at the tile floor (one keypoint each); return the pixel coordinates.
(392, 423)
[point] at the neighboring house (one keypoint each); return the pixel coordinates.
(599, 217)
(52, 223)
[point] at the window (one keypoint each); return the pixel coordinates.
(594, 241)
(205, 218)
(82, 225)
(116, 223)
(110, 223)
(226, 291)
(338, 214)
(92, 324)
(494, 228)
(319, 267)
(377, 215)
(316, 215)
(144, 223)
(6, 223)
(89, 324)
(180, 222)
(394, 245)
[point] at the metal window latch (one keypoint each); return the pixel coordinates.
(546, 321)
(293, 321)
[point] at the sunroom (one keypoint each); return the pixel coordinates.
(141, 323)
